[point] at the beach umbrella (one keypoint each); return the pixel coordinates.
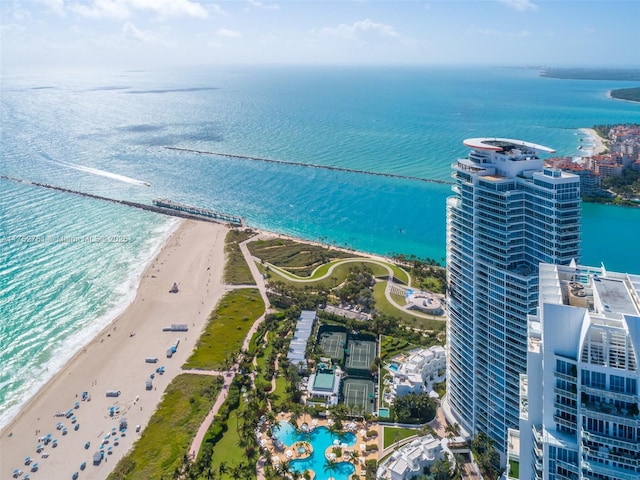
(27, 460)
(16, 472)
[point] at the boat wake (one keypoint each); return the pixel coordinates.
(101, 173)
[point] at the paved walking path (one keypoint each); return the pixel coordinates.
(387, 291)
(229, 374)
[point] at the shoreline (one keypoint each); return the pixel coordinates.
(600, 145)
(193, 255)
(105, 320)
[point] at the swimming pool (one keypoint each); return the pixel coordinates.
(393, 366)
(320, 439)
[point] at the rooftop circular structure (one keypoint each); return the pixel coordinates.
(503, 144)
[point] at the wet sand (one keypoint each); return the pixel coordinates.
(193, 256)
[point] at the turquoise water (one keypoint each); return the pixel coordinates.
(320, 439)
(104, 133)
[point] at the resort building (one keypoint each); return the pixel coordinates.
(417, 370)
(579, 398)
(324, 386)
(412, 459)
(298, 346)
(508, 214)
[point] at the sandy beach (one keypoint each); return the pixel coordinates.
(193, 256)
(597, 139)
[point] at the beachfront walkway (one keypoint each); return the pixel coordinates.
(229, 374)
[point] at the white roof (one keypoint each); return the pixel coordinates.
(493, 144)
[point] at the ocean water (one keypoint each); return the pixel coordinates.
(105, 133)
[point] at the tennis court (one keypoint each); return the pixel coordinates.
(359, 393)
(361, 354)
(332, 344)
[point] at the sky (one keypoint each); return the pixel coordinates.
(157, 33)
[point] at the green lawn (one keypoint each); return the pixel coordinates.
(236, 270)
(393, 435)
(295, 257)
(391, 346)
(226, 329)
(167, 438)
(228, 449)
(433, 324)
(514, 469)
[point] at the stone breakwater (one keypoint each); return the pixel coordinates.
(310, 165)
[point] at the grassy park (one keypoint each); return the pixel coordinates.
(226, 329)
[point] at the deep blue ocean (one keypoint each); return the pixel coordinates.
(105, 133)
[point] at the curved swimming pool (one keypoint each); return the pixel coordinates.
(320, 439)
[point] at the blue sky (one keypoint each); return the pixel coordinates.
(155, 33)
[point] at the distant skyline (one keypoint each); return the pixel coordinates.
(165, 33)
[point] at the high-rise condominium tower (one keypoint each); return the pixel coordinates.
(579, 415)
(508, 214)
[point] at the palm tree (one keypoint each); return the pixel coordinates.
(331, 466)
(355, 455)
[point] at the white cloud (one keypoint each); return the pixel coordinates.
(56, 6)
(359, 29)
(225, 32)
(129, 30)
(124, 8)
(272, 6)
(521, 5)
(102, 8)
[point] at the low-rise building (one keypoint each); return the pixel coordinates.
(417, 370)
(298, 346)
(324, 386)
(412, 459)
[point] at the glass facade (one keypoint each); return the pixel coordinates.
(507, 215)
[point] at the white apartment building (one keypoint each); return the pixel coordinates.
(579, 399)
(411, 460)
(417, 370)
(508, 213)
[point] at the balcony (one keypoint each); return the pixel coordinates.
(565, 408)
(563, 376)
(609, 413)
(610, 472)
(623, 397)
(629, 459)
(565, 393)
(606, 440)
(565, 422)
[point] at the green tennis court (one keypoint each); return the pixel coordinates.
(332, 344)
(359, 393)
(361, 354)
